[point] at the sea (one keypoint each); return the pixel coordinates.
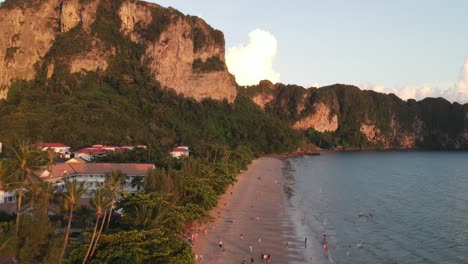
(380, 207)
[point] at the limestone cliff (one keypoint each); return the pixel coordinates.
(73, 36)
(26, 35)
(321, 120)
(343, 116)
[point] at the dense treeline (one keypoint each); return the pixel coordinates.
(435, 122)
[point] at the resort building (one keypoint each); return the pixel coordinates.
(180, 151)
(92, 174)
(56, 147)
(101, 150)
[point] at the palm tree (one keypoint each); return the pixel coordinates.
(74, 191)
(6, 176)
(100, 202)
(27, 161)
(83, 216)
(113, 183)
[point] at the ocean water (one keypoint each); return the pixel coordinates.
(381, 207)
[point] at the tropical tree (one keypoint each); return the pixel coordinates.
(100, 201)
(73, 191)
(84, 216)
(6, 176)
(147, 210)
(27, 161)
(113, 184)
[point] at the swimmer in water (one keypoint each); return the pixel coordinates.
(324, 238)
(360, 244)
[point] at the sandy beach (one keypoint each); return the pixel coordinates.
(251, 219)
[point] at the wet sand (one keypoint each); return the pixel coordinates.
(237, 214)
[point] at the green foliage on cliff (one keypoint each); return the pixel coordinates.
(211, 64)
(11, 4)
(201, 39)
(160, 21)
(10, 53)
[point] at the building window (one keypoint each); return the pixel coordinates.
(8, 199)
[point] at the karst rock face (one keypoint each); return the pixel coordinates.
(382, 121)
(171, 41)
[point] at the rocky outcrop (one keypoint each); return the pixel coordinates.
(262, 99)
(372, 133)
(29, 33)
(321, 120)
(171, 56)
(26, 35)
(70, 15)
(90, 61)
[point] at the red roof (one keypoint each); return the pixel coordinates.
(179, 149)
(61, 170)
(92, 150)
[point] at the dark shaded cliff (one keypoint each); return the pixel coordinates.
(343, 116)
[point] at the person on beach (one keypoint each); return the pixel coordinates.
(251, 260)
(251, 249)
(305, 242)
(242, 236)
(221, 245)
(259, 239)
(244, 261)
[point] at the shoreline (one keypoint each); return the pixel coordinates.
(252, 216)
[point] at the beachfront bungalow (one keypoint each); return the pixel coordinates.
(180, 151)
(89, 153)
(56, 147)
(101, 150)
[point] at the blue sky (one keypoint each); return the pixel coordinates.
(370, 43)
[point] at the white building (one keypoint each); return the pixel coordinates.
(93, 174)
(56, 147)
(180, 151)
(7, 197)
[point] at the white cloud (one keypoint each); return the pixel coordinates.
(253, 62)
(315, 84)
(459, 93)
(456, 93)
(406, 92)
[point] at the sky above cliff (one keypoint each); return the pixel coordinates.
(412, 48)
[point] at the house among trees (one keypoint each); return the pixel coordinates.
(97, 151)
(56, 147)
(180, 151)
(89, 153)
